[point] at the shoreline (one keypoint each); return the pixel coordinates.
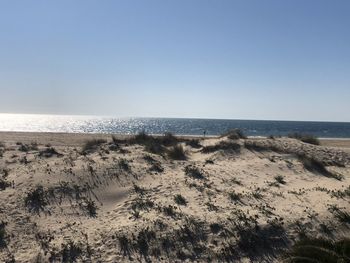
(77, 139)
(154, 134)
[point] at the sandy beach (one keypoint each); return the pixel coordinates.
(167, 199)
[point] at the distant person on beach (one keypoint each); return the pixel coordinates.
(204, 133)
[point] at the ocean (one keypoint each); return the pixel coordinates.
(178, 126)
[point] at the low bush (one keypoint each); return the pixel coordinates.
(168, 139)
(319, 250)
(222, 145)
(177, 153)
(71, 251)
(156, 167)
(92, 144)
(194, 143)
(2, 234)
(89, 206)
(342, 216)
(4, 184)
(234, 134)
(154, 146)
(33, 146)
(180, 200)
(316, 166)
(116, 140)
(194, 172)
(36, 199)
(235, 197)
(123, 164)
(280, 179)
(307, 138)
(49, 152)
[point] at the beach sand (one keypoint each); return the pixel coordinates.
(245, 200)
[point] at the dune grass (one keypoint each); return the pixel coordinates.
(36, 199)
(315, 166)
(2, 234)
(222, 145)
(319, 250)
(93, 144)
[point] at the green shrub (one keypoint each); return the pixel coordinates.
(177, 153)
(307, 138)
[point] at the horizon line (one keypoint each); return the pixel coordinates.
(154, 117)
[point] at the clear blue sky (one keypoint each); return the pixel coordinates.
(245, 59)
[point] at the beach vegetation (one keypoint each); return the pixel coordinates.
(169, 210)
(49, 152)
(116, 140)
(124, 164)
(71, 251)
(319, 250)
(168, 139)
(177, 152)
(92, 145)
(222, 145)
(4, 184)
(194, 143)
(315, 166)
(33, 146)
(124, 244)
(89, 206)
(156, 167)
(180, 200)
(194, 172)
(342, 216)
(234, 196)
(36, 199)
(2, 234)
(307, 138)
(139, 189)
(209, 161)
(280, 179)
(234, 134)
(142, 204)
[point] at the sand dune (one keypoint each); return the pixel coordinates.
(243, 200)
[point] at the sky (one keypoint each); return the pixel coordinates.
(269, 60)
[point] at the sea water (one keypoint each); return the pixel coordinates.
(179, 126)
